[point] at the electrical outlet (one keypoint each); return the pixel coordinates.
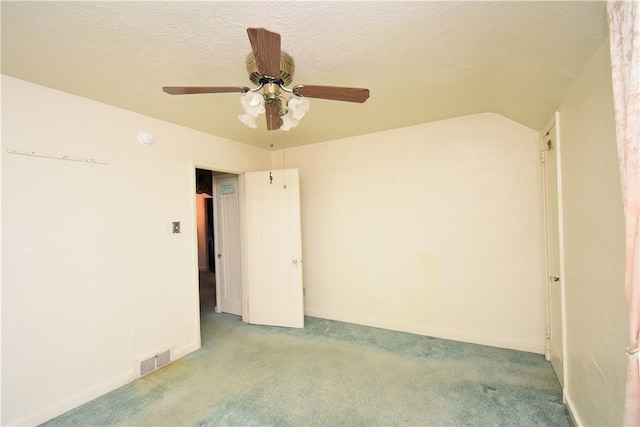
(372, 299)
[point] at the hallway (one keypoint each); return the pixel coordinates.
(207, 281)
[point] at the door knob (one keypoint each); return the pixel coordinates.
(219, 256)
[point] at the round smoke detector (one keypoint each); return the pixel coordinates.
(145, 138)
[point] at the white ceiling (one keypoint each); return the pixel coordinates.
(422, 61)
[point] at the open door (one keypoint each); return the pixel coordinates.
(555, 327)
(272, 250)
(227, 244)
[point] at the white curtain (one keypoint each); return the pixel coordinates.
(624, 29)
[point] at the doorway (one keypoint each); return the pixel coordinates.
(206, 238)
(260, 213)
(218, 236)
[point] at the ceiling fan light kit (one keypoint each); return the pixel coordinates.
(264, 63)
(254, 102)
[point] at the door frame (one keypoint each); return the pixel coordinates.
(561, 247)
(212, 168)
(246, 314)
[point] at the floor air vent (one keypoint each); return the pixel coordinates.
(163, 358)
(155, 362)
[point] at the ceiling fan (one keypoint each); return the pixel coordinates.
(272, 71)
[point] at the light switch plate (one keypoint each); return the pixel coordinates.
(176, 227)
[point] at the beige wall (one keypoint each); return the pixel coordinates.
(433, 229)
(594, 248)
(93, 279)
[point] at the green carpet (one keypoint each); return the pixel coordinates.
(332, 374)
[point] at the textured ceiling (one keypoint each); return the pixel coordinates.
(422, 61)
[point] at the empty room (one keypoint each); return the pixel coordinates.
(319, 213)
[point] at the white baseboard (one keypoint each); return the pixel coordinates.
(573, 412)
(90, 394)
(537, 348)
(181, 352)
(73, 401)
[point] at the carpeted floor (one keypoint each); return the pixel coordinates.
(332, 374)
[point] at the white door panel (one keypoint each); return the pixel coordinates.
(554, 278)
(228, 270)
(272, 263)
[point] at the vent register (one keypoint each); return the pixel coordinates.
(155, 362)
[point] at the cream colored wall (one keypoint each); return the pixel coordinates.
(433, 229)
(93, 278)
(594, 248)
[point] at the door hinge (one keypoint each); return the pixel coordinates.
(547, 332)
(542, 156)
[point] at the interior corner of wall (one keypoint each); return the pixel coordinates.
(573, 411)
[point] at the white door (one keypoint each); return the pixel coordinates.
(227, 245)
(272, 251)
(554, 278)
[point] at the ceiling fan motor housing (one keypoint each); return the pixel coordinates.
(287, 68)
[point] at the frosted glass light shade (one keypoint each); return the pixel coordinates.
(298, 107)
(253, 103)
(288, 122)
(248, 119)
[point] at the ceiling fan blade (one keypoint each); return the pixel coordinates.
(266, 49)
(350, 94)
(181, 90)
(274, 120)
